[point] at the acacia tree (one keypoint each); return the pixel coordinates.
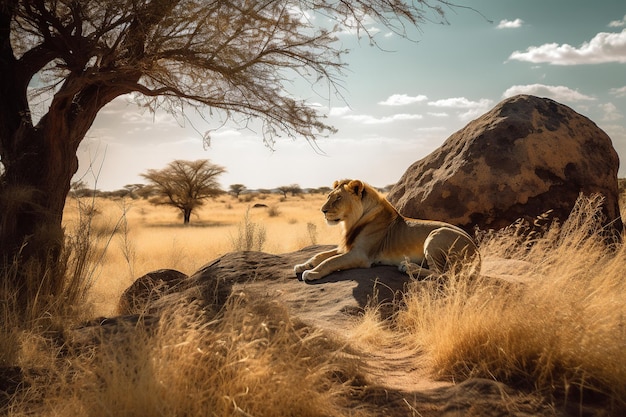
(75, 56)
(185, 184)
(237, 189)
(294, 189)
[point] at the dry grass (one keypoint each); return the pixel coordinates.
(134, 237)
(252, 359)
(561, 332)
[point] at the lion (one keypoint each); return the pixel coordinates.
(375, 233)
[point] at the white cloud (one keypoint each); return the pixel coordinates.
(458, 103)
(473, 108)
(556, 92)
(339, 111)
(371, 120)
(617, 23)
(438, 114)
(618, 92)
(431, 129)
(226, 133)
(611, 113)
(603, 48)
(510, 24)
(475, 112)
(402, 100)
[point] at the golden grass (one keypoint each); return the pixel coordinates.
(558, 332)
(250, 360)
(561, 332)
(134, 237)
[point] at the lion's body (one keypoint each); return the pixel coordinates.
(376, 234)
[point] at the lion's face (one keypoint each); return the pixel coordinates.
(344, 203)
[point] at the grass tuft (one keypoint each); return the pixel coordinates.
(560, 331)
(250, 236)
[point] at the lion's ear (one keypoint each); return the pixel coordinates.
(356, 187)
(335, 184)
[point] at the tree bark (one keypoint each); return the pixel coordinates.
(186, 215)
(38, 172)
(39, 162)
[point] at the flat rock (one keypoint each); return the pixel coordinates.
(330, 300)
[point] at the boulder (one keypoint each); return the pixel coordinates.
(148, 288)
(526, 157)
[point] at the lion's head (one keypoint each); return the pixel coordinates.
(345, 202)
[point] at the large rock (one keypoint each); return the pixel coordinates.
(148, 288)
(525, 157)
(333, 299)
(329, 303)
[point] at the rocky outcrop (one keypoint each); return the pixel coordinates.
(333, 299)
(525, 157)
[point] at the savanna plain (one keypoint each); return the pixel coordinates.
(560, 337)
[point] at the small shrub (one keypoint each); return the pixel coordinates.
(312, 229)
(248, 198)
(250, 235)
(273, 211)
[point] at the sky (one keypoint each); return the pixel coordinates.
(400, 101)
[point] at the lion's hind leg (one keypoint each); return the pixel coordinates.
(447, 250)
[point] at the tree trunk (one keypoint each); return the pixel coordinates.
(32, 198)
(186, 215)
(39, 164)
(40, 160)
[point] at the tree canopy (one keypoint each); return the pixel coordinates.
(237, 189)
(185, 184)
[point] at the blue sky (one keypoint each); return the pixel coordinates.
(400, 101)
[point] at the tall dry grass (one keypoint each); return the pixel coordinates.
(250, 360)
(558, 329)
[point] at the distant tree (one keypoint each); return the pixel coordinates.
(134, 190)
(237, 189)
(185, 184)
(283, 189)
(120, 193)
(294, 189)
(78, 188)
(324, 190)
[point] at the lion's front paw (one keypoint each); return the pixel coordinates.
(310, 275)
(300, 268)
